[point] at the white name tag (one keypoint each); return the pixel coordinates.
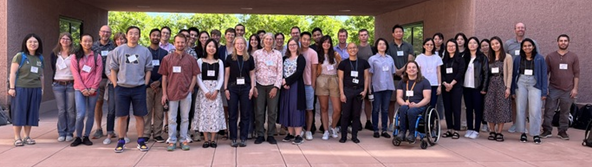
(211, 73)
(38, 63)
(354, 74)
(495, 70)
(176, 69)
(132, 58)
(269, 63)
(155, 62)
(449, 70)
(517, 52)
(527, 72)
(409, 93)
(34, 69)
(330, 68)
(240, 81)
(104, 52)
(62, 66)
(355, 80)
(400, 53)
(385, 68)
(86, 68)
(563, 66)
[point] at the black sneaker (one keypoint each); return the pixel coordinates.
(355, 140)
(411, 138)
(271, 140)
(243, 143)
(259, 140)
(233, 143)
(288, 138)
(77, 141)
(376, 135)
(536, 139)
(401, 137)
(159, 139)
(563, 135)
(546, 134)
(368, 125)
(298, 140)
(86, 141)
(523, 138)
(342, 140)
(385, 135)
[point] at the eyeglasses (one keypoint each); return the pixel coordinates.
(65, 39)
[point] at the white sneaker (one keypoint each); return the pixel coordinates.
(107, 141)
(334, 133)
(468, 133)
(512, 129)
(301, 133)
(484, 128)
(325, 135)
(69, 138)
(474, 135)
(61, 138)
(127, 140)
(309, 135)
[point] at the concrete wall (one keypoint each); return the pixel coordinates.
(21, 17)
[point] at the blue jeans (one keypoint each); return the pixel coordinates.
(527, 96)
(239, 94)
(64, 95)
(381, 105)
(85, 105)
(185, 105)
(407, 118)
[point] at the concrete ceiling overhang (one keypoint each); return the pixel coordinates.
(299, 7)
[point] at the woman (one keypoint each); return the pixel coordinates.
(87, 71)
(429, 63)
(201, 44)
(475, 86)
(529, 86)
(382, 69)
(26, 85)
(485, 46)
(452, 79)
(439, 43)
(292, 97)
(354, 79)
(239, 81)
(413, 94)
(327, 86)
(461, 41)
(119, 39)
(63, 86)
(254, 43)
(497, 101)
(209, 113)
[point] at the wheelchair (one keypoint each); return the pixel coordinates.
(427, 128)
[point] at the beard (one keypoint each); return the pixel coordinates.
(563, 47)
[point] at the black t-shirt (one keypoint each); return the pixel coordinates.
(235, 69)
(526, 64)
(417, 89)
(347, 67)
(205, 67)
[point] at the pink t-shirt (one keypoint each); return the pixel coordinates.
(311, 60)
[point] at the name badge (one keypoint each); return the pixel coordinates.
(86, 68)
(211, 73)
(449, 70)
(269, 63)
(176, 69)
(62, 66)
(517, 52)
(355, 80)
(563, 66)
(104, 52)
(495, 70)
(240, 80)
(156, 62)
(132, 58)
(354, 74)
(330, 68)
(527, 72)
(400, 53)
(385, 68)
(39, 63)
(409, 93)
(34, 69)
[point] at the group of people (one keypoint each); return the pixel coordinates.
(195, 85)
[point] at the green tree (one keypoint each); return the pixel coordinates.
(120, 21)
(356, 23)
(273, 23)
(328, 24)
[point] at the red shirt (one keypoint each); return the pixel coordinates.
(179, 71)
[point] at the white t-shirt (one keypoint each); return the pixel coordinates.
(470, 74)
(429, 66)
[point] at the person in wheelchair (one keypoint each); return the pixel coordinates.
(413, 95)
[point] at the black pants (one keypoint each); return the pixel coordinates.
(239, 95)
(350, 112)
(452, 107)
(474, 104)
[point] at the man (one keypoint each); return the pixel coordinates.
(153, 92)
(131, 67)
(227, 49)
(279, 43)
(215, 34)
(194, 35)
(102, 46)
(295, 32)
(261, 33)
(310, 73)
(179, 72)
(401, 52)
(268, 75)
(240, 30)
(564, 74)
(341, 47)
(165, 36)
(190, 51)
(317, 34)
(364, 52)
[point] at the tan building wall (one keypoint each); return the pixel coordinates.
(21, 17)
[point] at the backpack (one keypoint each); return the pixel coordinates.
(573, 111)
(23, 59)
(583, 117)
(588, 136)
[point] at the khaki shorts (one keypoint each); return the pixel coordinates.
(102, 85)
(327, 86)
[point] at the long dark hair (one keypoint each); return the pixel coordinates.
(502, 51)
(80, 52)
(216, 57)
(534, 48)
(406, 76)
(24, 48)
(466, 44)
(258, 43)
(433, 46)
(442, 46)
(478, 52)
(446, 55)
(201, 51)
(330, 52)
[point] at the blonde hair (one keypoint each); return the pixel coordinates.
(245, 55)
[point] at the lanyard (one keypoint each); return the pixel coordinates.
(240, 66)
(408, 88)
(352, 66)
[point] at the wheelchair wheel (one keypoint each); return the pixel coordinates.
(424, 144)
(432, 128)
(396, 142)
(396, 123)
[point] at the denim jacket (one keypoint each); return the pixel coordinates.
(540, 74)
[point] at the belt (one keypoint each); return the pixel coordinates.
(63, 82)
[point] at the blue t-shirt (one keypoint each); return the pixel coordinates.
(417, 89)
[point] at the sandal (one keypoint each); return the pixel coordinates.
(455, 135)
(499, 137)
(447, 134)
(29, 141)
(492, 136)
(18, 142)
